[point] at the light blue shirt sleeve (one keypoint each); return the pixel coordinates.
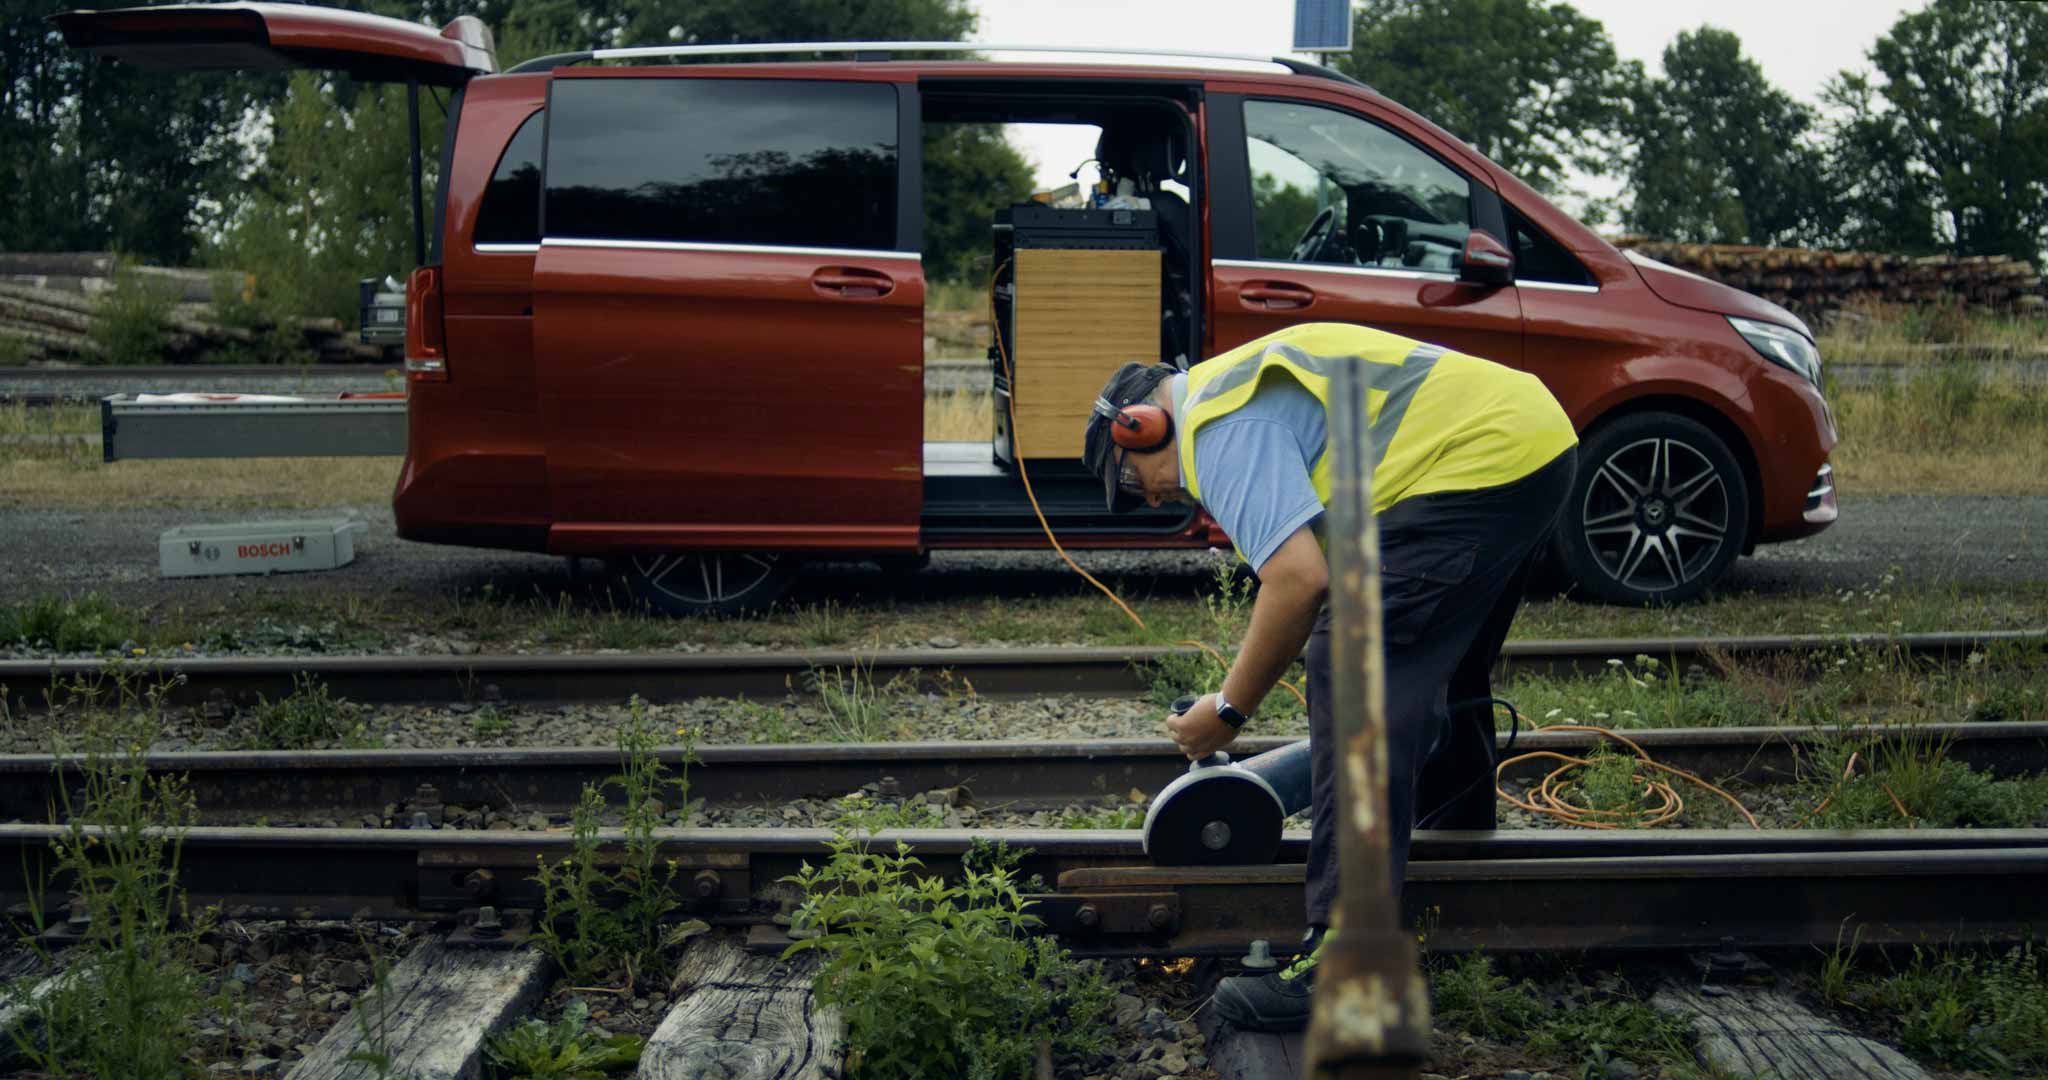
(1254, 466)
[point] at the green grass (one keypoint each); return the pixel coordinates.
(1840, 686)
(1586, 1027)
(494, 621)
(1901, 332)
(1977, 1010)
(1910, 781)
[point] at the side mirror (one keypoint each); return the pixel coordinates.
(1486, 261)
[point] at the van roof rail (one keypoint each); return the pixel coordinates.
(886, 50)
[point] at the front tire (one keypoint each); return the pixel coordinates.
(1657, 513)
(707, 582)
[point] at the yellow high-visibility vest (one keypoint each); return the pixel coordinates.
(1437, 420)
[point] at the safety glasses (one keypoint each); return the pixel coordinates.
(1127, 475)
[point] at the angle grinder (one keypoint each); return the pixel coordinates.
(1218, 813)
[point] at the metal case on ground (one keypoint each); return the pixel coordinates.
(258, 547)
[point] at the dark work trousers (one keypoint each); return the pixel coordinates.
(1452, 569)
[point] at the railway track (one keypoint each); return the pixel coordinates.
(1100, 671)
(242, 787)
(1510, 891)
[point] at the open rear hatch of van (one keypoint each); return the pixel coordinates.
(277, 37)
(280, 37)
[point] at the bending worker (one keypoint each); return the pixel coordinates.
(1471, 465)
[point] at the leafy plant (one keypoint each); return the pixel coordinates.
(1906, 779)
(1973, 1010)
(132, 992)
(307, 717)
(1109, 817)
(131, 320)
(601, 922)
(568, 1049)
(89, 623)
(937, 978)
(1470, 996)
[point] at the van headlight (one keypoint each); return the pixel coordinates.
(1781, 345)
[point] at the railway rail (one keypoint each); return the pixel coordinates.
(1512, 891)
(246, 786)
(1003, 672)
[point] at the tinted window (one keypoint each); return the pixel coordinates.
(511, 210)
(1330, 187)
(733, 161)
(1539, 258)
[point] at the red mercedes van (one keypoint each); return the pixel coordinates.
(671, 312)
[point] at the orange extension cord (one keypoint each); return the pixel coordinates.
(1010, 374)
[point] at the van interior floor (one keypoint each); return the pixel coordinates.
(969, 493)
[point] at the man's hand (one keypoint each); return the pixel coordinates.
(1199, 732)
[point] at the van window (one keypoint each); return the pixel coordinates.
(726, 161)
(510, 213)
(1539, 258)
(1330, 187)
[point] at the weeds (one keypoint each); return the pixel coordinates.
(306, 718)
(823, 625)
(1612, 787)
(372, 1014)
(604, 922)
(1597, 1028)
(856, 710)
(489, 723)
(1907, 780)
(1111, 817)
(89, 623)
(128, 1001)
(1986, 1011)
(937, 978)
(564, 1050)
(131, 320)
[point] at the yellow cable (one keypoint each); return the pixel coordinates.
(1010, 375)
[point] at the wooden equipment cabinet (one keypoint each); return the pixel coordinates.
(1080, 314)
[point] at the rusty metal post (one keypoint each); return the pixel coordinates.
(1371, 1014)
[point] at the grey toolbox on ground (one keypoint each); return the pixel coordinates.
(258, 547)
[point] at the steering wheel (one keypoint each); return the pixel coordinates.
(1315, 237)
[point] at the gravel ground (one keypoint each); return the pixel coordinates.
(712, 721)
(1958, 539)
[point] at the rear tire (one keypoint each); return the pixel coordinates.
(1657, 513)
(706, 582)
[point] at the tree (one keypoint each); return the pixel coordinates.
(97, 155)
(1947, 147)
(1719, 155)
(1280, 214)
(1534, 86)
(331, 202)
(713, 21)
(970, 172)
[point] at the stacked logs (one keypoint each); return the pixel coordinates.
(1827, 280)
(50, 304)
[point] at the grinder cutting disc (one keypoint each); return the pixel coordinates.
(1218, 814)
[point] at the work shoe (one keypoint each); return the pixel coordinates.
(1276, 1001)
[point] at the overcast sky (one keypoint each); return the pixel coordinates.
(1800, 44)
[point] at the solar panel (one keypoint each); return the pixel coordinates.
(1322, 25)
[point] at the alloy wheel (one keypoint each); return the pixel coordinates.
(705, 579)
(1656, 513)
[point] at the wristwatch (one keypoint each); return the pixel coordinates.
(1229, 713)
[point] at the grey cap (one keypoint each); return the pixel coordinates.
(1132, 384)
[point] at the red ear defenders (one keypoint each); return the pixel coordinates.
(1141, 428)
